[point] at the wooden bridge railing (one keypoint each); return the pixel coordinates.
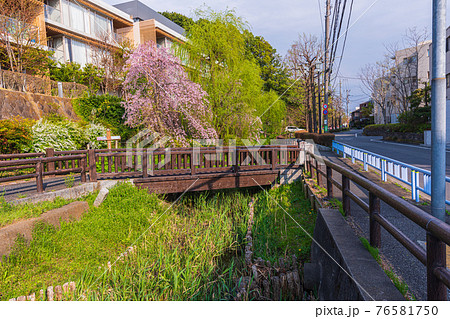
(131, 163)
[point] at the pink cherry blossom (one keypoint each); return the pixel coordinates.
(160, 97)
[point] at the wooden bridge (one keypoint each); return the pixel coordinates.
(170, 170)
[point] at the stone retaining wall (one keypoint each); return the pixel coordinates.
(33, 106)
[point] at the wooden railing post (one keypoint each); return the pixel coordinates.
(192, 162)
(436, 290)
(92, 166)
(329, 183)
(50, 152)
(144, 164)
(317, 172)
(83, 169)
(345, 197)
(39, 177)
(274, 156)
(375, 229)
(236, 160)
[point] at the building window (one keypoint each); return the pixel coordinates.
(447, 44)
(447, 77)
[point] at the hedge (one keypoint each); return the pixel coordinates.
(325, 139)
(375, 129)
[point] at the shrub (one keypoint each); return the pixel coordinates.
(15, 135)
(381, 129)
(105, 109)
(65, 135)
(325, 139)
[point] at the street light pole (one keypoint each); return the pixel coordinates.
(438, 111)
(436, 290)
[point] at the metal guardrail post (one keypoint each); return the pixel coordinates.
(417, 196)
(413, 185)
(39, 177)
(92, 166)
(329, 183)
(345, 197)
(366, 168)
(436, 290)
(375, 229)
(353, 155)
(383, 170)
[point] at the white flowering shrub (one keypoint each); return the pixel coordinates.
(92, 132)
(65, 135)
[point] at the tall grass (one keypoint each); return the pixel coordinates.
(275, 234)
(192, 252)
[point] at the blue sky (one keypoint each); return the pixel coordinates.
(280, 22)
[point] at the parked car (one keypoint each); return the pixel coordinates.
(292, 129)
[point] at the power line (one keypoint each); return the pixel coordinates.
(346, 34)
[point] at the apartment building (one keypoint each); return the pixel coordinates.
(149, 25)
(409, 72)
(76, 29)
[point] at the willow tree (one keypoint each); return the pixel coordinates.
(215, 55)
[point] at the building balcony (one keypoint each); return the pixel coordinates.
(52, 13)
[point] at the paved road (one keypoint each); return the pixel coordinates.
(419, 156)
(416, 155)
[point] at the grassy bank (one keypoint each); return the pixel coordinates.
(189, 253)
(275, 233)
(13, 213)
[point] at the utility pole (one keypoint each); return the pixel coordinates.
(340, 104)
(325, 71)
(320, 103)
(313, 88)
(348, 115)
(436, 290)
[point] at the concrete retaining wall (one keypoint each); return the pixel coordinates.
(342, 267)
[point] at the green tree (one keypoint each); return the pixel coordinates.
(180, 19)
(273, 72)
(216, 59)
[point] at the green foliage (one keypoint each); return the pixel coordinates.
(90, 75)
(419, 96)
(378, 129)
(67, 72)
(69, 180)
(180, 19)
(416, 116)
(275, 234)
(105, 109)
(273, 72)
(15, 135)
(216, 55)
